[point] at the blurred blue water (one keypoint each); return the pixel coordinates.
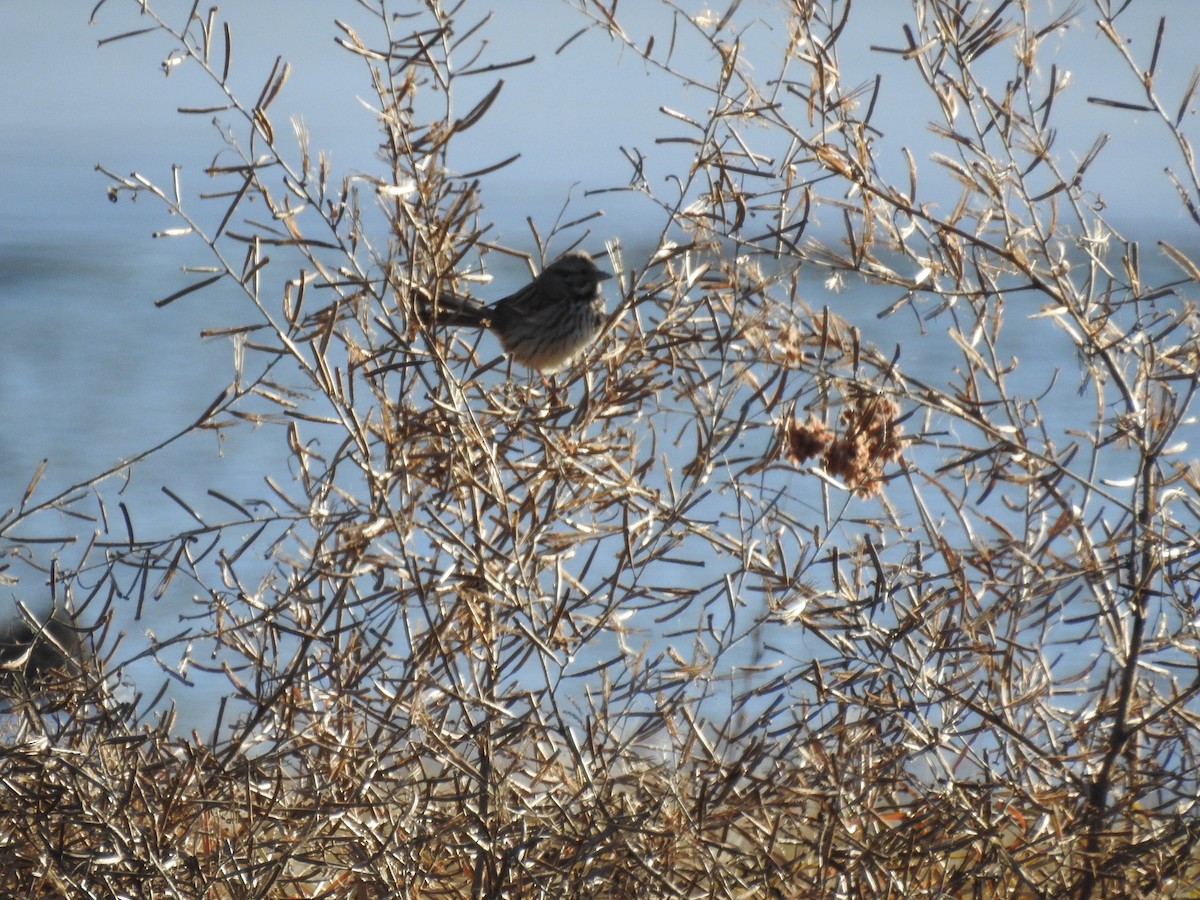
(91, 372)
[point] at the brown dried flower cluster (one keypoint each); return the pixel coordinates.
(870, 440)
(807, 440)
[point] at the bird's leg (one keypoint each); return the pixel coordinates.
(550, 383)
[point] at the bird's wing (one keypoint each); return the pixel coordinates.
(451, 309)
(527, 300)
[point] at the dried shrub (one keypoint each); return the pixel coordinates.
(743, 605)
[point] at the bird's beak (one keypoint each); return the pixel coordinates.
(601, 275)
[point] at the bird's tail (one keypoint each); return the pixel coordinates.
(450, 309)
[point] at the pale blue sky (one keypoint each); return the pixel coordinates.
(67, 104)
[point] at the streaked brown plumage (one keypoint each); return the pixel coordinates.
(548, 322)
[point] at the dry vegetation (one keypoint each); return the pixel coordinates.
(742, 605)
